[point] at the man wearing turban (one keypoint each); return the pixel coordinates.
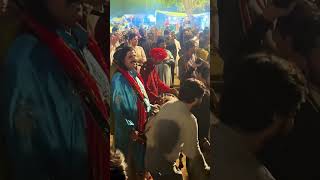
(154, 86)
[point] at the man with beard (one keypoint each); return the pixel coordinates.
(258, 105)
(177, 112)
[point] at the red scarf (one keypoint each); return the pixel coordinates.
(97, 141)
(142, 113)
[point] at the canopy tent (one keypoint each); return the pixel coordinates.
(168, 18)
(179, 14)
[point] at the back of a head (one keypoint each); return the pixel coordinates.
(190, 90)
(160, 40)
(131, 35)
(117, 165)
(261, 87)
(189, 44)
(115, 29)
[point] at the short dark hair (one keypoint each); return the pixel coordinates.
(190, 90)
(261, 86)
(189, 44)
(115, 29)
(120, 55)
(160, 40)
(117, 165)
(131, 35)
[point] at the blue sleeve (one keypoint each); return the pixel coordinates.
(123, 101)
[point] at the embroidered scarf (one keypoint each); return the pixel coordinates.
(96, 111)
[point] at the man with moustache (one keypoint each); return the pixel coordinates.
(258, 105)
(176, 112)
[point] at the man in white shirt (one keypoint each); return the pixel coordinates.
(164, 144)
(258, 106)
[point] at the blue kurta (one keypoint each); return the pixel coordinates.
(44, 118)
(124, 105)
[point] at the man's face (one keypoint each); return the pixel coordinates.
(130, 60)
(134, 41)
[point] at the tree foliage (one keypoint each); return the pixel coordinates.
(197, 5)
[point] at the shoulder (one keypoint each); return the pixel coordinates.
(25, 47)
(139, 48)
(24, 43)
(116, 77)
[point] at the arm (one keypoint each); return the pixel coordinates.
(120, 103)
(191, 146)
(185, 71)
(260, 30)
(163, 88)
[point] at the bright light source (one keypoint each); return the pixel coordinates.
(152, 18)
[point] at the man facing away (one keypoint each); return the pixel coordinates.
(160, 157)
(258, 105)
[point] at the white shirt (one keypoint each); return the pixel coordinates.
(187, 142)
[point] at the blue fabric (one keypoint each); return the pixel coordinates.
(124, 105)
(43, 115)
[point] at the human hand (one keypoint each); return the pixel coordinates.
(273, 12)
(207, 170)
(206, 145)
(155, 109)
(174, 91)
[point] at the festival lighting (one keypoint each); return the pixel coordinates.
(152, 18)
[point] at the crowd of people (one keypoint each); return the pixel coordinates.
(160, 100)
